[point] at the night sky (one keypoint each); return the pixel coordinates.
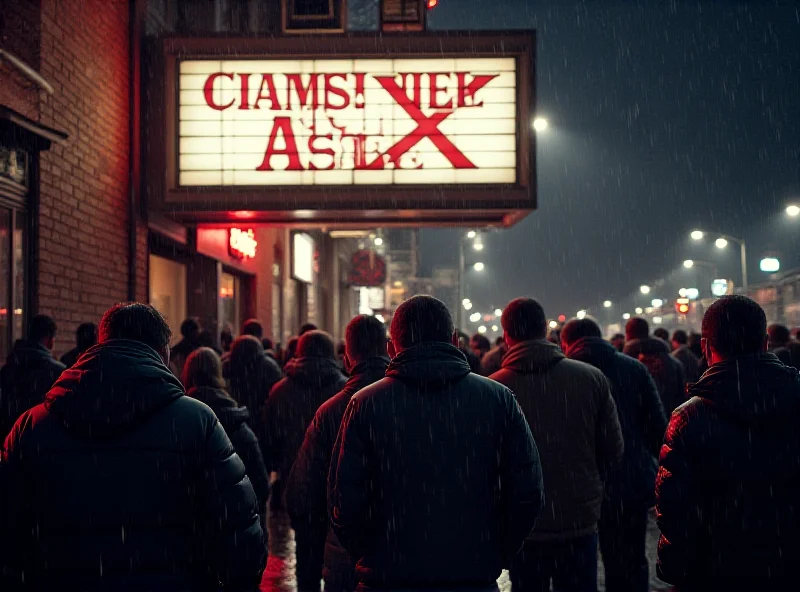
(663, 116)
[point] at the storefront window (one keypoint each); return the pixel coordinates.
(168, 292)
(20, 248)
(230, 301)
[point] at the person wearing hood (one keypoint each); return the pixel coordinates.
(682, 353)
(312, 378)
(629, 485)
(365, 360)
(85, 337)
(572, 415)
(190, 341)
(118, 481)
(667, 372)
(202, 379)
(435, 477)
(493, 360)
(29, 372)
(729, 474)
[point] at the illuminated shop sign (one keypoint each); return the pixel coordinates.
(242, 243)
(303, 257)
(400, 121)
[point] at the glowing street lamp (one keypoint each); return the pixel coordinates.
(477, 246)
(607, 304)
(553, 324)
(645, 289)
(770, 264)
(697, 235)
(468, 306)
(638, 310)
(581, 314)
(378, 241)
(721, 243)
(481, 329)
(793, 211)
(478, 266)
(471, 234)
(657, 303)
(498, 312)
(540, 124)
(626, 316)
(688, 264)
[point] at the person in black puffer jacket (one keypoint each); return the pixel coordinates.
(366, 360)
(202, 379)
(667, 372)
(312, 378)
(630, 484)
(729, 476)
(118, 482)
(29, 372)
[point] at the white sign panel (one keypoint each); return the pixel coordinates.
(347, 121)
(303, 257)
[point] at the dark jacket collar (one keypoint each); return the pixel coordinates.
(28, 352)
(429, 365)
(223, 406)
(592, 350)
(313, 370)
(113, 386)
(532, 356)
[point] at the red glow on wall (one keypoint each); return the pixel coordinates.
(432, 4)
(244, 214)
(242, 243)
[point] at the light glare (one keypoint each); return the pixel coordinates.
(793, 211)
(540, 124)
(770, 264)
(721, 243)
(697, 235)
(626, 316)
(638, 310)
(478, 266)
(644, 289)
(481, 329)
(688, 264)
(498, 312)
(581, 314)
(378, 241)
(553, 324)
(607, 304)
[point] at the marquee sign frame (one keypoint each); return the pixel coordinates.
(351, 205)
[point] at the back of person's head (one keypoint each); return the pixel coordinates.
(680, 337)
(618, 341)
(245, 363)
(694, 339)
(315, 344)
(205, 339)
(86, 336)
(778, 335)
(364, 337)
(305, 328)
(576, 329)
(253, 327)
(203, 368)
(190, 328)
(661, 333)
(480, 343)
(523, 320)
(266, 342)
(421, 319)
(637, 328)
(500, 341)
(735, 325)
(42, 329)
(136, 321)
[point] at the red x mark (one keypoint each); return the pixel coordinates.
(427, 127)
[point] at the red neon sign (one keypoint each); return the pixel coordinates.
(242, 243)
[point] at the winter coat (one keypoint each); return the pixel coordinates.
(666, 371)
(292, 403)
(179, 354)
(691, 365)
(28, 374)
(69, 358)
(493, 360)
(789, 354)
(251, 381)
(571, 412)
(234, 421)
(729, 480)
(641, 418)
(120, 482)
(306, 489)
(435, 477)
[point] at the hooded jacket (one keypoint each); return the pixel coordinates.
(729, 480)
(691, 365)
(234, 421)
(120, 482)
(292, 403)
(641, 418)
(28, 374)
(571, 412)
(667, 372)
(435, 478)
(306, 489)
(493, 360)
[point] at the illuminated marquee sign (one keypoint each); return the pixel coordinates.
(242, 243)
(399, 121)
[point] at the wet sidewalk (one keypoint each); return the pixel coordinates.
(280, 573)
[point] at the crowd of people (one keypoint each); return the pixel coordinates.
(419, 460)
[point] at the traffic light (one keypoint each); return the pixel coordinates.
(682, 306)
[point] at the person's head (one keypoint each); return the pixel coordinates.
(420, 319)
(190, 329)
(637, 328)
(253, 327)
(42, 330)
(205, 339)
(267, 343)
(733, 326)
(86, 336)
(291, 349)
(226, 337)
(246, 367)
(662, 334)
(523, 320)
(779, 335)
(316, 344)
(499, 342)
(136, 321)
(203, 368)
(679, 338)
(576, 329)
(618, 341)
(306, 328)
(463, 340)
(480, 344)
(364, 338)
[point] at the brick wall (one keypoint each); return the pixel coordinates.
(84, 189)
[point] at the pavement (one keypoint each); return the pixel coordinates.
(280, 573)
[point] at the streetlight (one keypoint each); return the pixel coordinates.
(607, 304)
(498, 312)
(581, 314)
(723, 241)
(468, 306)
(697, 235)
(477, 246)
(471, 234)
(481, 329)
(645, 289)
(793, 211)
(478, 266)
(626, 316)
(475, 317)
(657, 303)
(770, 264)
(494, 328)
(638, 310)
(688, 264)
(466, 301)
(540, 124)
(378, 241)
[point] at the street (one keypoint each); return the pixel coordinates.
(280, 577)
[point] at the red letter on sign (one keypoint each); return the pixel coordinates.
(436, 89)
(208, 91)
(294, 81)
(335, 91)
(282, 124)
(272, 94)
(467, 91)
